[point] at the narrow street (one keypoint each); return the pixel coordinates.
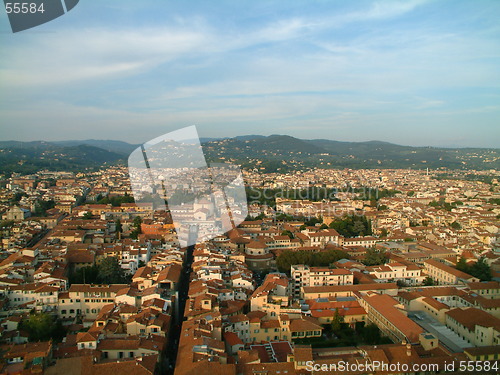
(178, 316)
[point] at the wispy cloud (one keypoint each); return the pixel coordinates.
(94, 54)
(340, 68)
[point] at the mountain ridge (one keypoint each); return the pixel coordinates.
(276, 152)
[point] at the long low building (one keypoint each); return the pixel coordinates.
(382, 310)
(311, 292)
(446, 275)
(476, 326)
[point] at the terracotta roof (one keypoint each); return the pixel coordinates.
(385, 305)
(232, 339)
(470, 317)
(301, 325)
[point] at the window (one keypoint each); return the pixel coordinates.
(131, 354)
(120, 355)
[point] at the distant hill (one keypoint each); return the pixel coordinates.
(284, 153)
(119, 147)
(274, 153)
(31, 157)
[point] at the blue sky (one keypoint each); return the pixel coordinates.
(408, 72)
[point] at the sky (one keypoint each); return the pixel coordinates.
(416, 72)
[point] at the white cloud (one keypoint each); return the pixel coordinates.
(58, 58)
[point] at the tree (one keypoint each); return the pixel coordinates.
(137, 222)
(118, 226)
(337, 321)
(84, 275)
(137, 225)
(87, 215)
(6, 223)
(42, 205)
(371, 334)
(287, 233)
(110, 272)
(455, 225)
(401, 284)
(42, 327)
(481, 270)
(323, 258)
(428, 281)
(352, 226)
(383, 232)
(462, 265)
(374, 257)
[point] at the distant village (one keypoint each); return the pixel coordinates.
(330, 267)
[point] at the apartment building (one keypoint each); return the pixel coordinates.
(476, 326)
(446, 275)
(87, 300)
(383, 311)
(311, 292)
(306, 276)
(410, 274)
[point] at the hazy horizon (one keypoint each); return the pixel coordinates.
(246, 135)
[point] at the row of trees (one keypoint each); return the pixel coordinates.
(315, 259)
(480, 269)
(374, 257)
(108, 271)
(115, 201)
(352, 226)
(445, 205)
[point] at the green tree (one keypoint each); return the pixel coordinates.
(84, 275)
(462, 265)
(481, 270)
(383, 232)
(42, 327)
(428, 281)
(352, 226)
(337, 321)
(371, 334)
(41, 206)
(118, 226)
(6, 223)
(374, 257)
(455, 225)
(137, 222)
(110, 272)
(287, 233)
(323, 258)
(137, 225)
(87, 215)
